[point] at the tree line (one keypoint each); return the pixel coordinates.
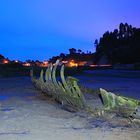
(76, 54)
(120, 46)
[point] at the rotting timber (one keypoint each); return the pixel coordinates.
(67, 92)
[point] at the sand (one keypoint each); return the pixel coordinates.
(25, 115)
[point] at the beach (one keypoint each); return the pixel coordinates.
(26, 115)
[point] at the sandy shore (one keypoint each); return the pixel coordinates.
(27, 116)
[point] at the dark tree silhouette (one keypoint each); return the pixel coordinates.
(1, 56)
(96, 44)
(72, 51)
(79, 51)
(62, 55)
(120, 46)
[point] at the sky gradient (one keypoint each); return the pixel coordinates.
(40, 29)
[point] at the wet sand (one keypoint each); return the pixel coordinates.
(25, 115)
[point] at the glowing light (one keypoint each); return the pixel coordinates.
(93, 65)
(72, 64)
(44, 64)
(16, 61)
(26, 64)
(105, 65)
(82, 63)
(5, 61)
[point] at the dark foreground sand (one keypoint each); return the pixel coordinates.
(27, 116)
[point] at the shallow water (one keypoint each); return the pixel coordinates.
(126, 83)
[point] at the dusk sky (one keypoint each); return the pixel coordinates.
(40, 29)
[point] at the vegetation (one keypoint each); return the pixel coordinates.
(74, 54)
(120, 46)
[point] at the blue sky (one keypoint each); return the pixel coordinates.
(40, 29)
